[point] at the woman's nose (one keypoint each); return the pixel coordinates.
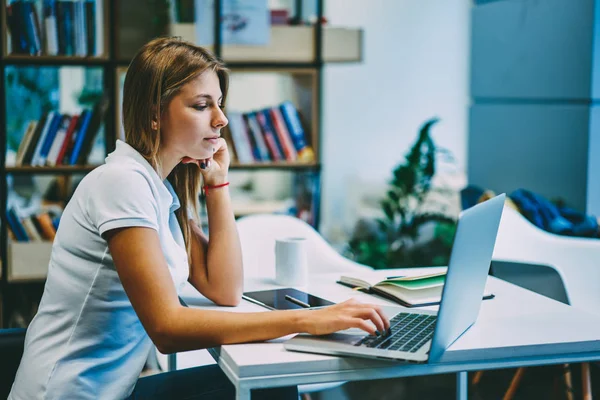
(220, 120)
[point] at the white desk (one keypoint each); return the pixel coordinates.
(517, 328)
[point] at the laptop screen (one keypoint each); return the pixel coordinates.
(467, 273)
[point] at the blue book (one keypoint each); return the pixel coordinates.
(270, 135)
(65, 12)
(85, 117)
(49, 139)
(16, 23)
(16, 226)
(32, 27)
(90, 25)
(292, 121)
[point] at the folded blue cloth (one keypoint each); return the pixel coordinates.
(542, 213)
(553, 218)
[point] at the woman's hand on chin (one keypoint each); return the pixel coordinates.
(216, 168)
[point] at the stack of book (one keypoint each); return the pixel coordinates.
(34, 228)
(56, 27)
(61, 139)
(272, 134)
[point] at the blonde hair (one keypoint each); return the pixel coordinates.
(155, 75)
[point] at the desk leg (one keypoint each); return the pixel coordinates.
(242, 393)
(462, 385)
(172, 362)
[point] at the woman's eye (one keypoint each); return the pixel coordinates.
(200, 107)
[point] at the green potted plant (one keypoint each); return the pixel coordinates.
(396, 240)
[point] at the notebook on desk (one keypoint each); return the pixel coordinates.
(408, 291)
(423, 335)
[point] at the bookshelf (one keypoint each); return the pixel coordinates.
(295, 55)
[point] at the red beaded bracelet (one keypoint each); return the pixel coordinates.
(206, 187)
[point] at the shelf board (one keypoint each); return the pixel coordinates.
(66, 169)
(289, 45)
(275, 165)
(24, 59)
(73, 169)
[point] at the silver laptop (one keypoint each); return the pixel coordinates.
(423, 335)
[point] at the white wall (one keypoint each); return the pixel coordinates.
(416, 60)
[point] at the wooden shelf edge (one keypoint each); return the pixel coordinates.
(50, 170)
(340, 45)
(278, 165)
(27, 57)
(16, 281)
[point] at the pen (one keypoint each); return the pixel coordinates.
(251, 300)
(296, 301)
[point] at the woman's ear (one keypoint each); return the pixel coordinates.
(155, 119)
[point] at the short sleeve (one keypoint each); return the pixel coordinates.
(123, 198)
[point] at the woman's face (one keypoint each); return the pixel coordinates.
(192, 122)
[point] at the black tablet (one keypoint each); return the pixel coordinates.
(285, 299)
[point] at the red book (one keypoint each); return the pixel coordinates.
(68, 139)
(282, 133)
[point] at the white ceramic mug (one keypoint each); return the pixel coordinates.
(291, 265)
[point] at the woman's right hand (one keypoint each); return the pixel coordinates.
(349, 314)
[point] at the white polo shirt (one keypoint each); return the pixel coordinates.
(86, 341)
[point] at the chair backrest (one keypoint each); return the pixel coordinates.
(259, 232)
(577, 260)
(11, 350)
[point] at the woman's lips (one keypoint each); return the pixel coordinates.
(213, 140)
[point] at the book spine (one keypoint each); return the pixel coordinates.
(71, 144)
(270, 137)
(283, 134)
(92, 130)
(68, 139)
(297, 133)
(16, 225)
(80, 28)
(49, 139)
(99, 27)
(31, 230)
(42, 138)
(259, 139)
(58, 141)
(31, 146)
(69, 27)
(32, 34)
(25, 142)
(90, 25)
(50, 27)
(79, 140)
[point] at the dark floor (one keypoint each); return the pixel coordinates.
(537, 383)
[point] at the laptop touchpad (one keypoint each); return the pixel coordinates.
(343, 337)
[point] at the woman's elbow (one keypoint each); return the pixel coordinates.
(163, 336)
(228, 299)
(164, 343)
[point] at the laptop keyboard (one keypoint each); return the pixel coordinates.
(408, 333)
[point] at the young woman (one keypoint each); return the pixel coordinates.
(129, 240)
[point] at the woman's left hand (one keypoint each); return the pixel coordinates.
(216, 168)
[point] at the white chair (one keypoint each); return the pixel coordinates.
(576, 260)
(258, 233)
